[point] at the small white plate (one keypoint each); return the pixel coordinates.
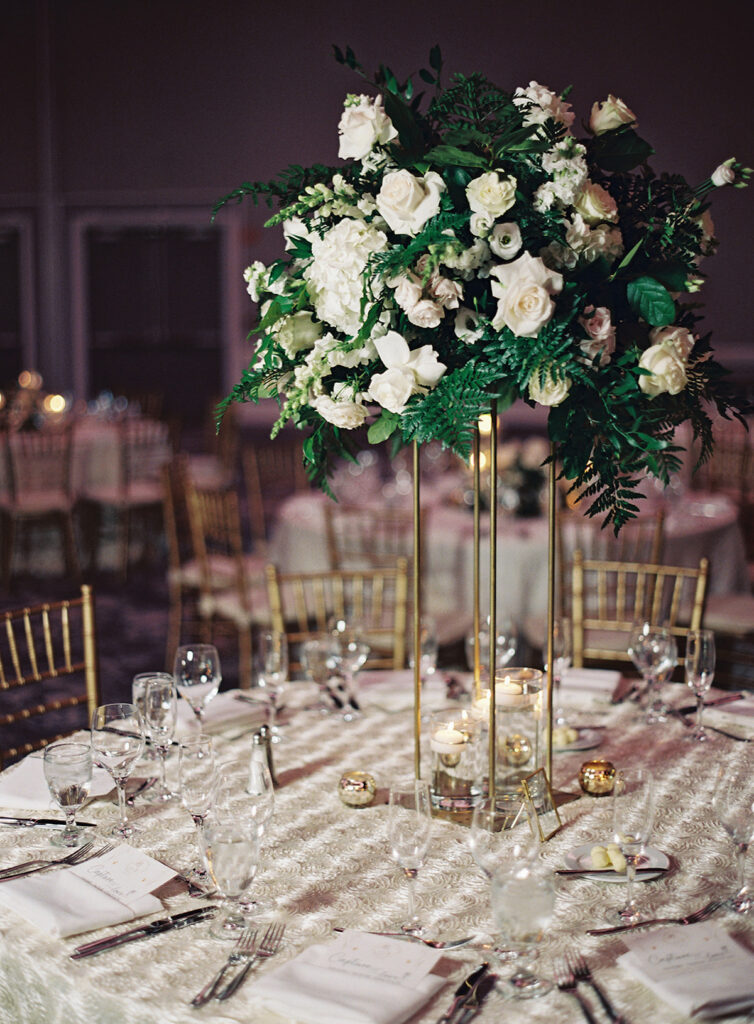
(580, 858)
(587, 739)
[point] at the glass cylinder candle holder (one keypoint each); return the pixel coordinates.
(518, 725)
(458, 757)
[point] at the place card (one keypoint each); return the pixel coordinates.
(698, 969)
(125, 873)
(377, 957)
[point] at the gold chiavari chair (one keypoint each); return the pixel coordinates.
(360, 537)
(610, 597)
(48, 666)
(303, 604)
(272, 472)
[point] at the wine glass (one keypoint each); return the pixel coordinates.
(699, 665)
(272, 673)
(160, 713)
(197, 674)
(654, 652)
(428, 648)
(505, 647)
(138, 686)
(501, 836)
(256, 807)
(198, 781)
(231, 854)
(523, 902)
(561, 659)
(634, 804)
(349, 654)
(68, 771)
(733, 806)
(117, 744)
(409, 833)
(317, 662)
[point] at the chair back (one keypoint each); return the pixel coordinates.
(272, 472)
(361, 537)
(39, 469)
(144, 450)
(215, 523)
(48, 666)
(175, 477)
(302, 605)
(610, 597)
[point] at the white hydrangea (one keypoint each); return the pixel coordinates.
(334, 277)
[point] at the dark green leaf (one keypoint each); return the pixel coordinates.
(651, 300)
(450, 156)
(383, 427)
(435, 58)
(427, 76)
(409, 131)
(619, 150)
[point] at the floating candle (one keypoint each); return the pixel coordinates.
(509, 693)
(448, 740)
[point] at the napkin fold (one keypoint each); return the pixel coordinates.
(224, 709)
(101, 892)
(598, 680)
(355, 979)
(698, 969)
(23, 786)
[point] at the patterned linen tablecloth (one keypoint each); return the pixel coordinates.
(325, 866)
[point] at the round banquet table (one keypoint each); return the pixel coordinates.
(325, 866)
(696, 526)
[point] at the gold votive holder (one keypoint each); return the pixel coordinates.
(357, 788)
(597, 777)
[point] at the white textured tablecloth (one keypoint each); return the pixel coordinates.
(326, 865)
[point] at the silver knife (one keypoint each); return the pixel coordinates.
(687, 709)
(7, 820)
(462, 993)
(164, 924)
(477, 998)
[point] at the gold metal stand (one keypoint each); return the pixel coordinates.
(493, 603)
(416, 583)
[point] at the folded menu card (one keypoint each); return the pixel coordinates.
(23, 786)
(355, 979)
(698, 969)
(104, 891)
(224, 709)
(598, 679)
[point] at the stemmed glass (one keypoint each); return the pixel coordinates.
(272, 673)
(138, 688)
(257, 806)
(409, 833)
(198, 780)
(654, 652)
(561, 659)
(700, 671)
(501, 836)
(317, 662)
(733, 806)
(68, 771)
(160, 714)
(428, 648)
(634, 804)
(505, 646)
(349, 654)
(197, 674)
(231, 854)
(117, 744)
(523, 902)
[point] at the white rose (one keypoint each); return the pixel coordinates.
(490, 194)
(612, 113)
(466, 326)
(595, 204)
(392, 389)
(408, 292)
(297, 332)
(550, 391)
(348, 415)
(601, 340)
(407, 202)
(425, 313)
(524, 295)
(505, 240)
(667, 370)
(723, 175)
(681, 339)
(363, 125)
(604, 240)
(448, 293)
(480, 224)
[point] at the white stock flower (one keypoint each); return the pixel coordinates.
(505, 240)
(542, 103)
(550, 391)
(491, 194)
(334, 277)
(524, 295)
(341, 412)
(567, 166)
(471, 262)
(255, 277)
(604, 240)
(297, 332)
(408, 201)
(601, 341)
(466, 326)
(611, 113)
(363, 125)
(595, 204)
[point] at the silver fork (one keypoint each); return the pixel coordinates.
(567, 983)
(269, 946)
(699, 915)
(581, 971)
(243, 948)
(40, 864)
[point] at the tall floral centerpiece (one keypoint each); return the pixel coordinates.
(471, 249)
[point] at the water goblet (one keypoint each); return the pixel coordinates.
(654, 653)
(733, 806)
(699, 666)
(68, 771)
(117, 743)
(428, 648)
(256, 806)
(231, 854)
(500, 836)
(505, 646)
(317, 662)
(350, 652)
(634, 803)
(272, 673)
(197, 674)
(523, 901)
(138, 687)
(198, 783)
(160, 714)
(409, 833)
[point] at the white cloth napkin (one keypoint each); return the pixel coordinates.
(105, 891)
(394, 690)
(699, 969)
(595, 679)
(224, 709)
(23, 786)
(355, 979)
